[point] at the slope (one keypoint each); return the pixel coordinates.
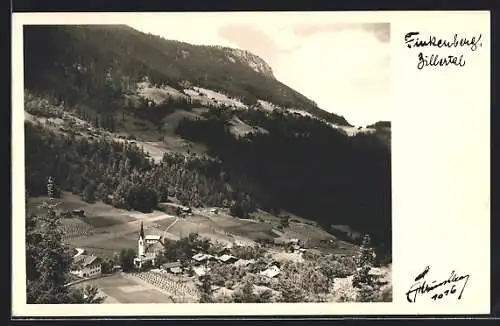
(97, 64)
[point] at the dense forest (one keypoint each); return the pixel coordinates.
(122, 174)
(305, 167)
(95, 64)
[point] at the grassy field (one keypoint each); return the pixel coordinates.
(249, 229)
(97, 214)
(106, 230)
(108, 243)
(104, 221)
(124, 290)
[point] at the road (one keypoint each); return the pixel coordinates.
(165, 232)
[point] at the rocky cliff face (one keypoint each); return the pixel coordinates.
(253, 61)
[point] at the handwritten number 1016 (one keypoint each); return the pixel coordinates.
(445, 293)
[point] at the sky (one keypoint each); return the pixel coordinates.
(343, 66)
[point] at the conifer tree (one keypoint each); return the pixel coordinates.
(363, 280)
(53, 259)
(205, 289)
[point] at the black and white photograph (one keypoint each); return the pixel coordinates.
(230, 163)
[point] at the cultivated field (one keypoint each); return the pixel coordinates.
(121, 289)
(106, 230)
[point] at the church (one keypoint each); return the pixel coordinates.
(147, 248)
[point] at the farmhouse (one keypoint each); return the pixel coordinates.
(173, 208)
(152, 239)
(284, 241)
(86, 266)
(244, 262)
(271, 272)
(78, 212)
(228, 259)
(173, 267)
(201, 257)
(176, 270)
(223, 251)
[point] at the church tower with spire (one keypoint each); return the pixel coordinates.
(141, 247)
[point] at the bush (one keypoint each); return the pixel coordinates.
(242, 252)
(346, 293)
(384, 296)
(366, 293)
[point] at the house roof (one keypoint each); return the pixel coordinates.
(244, 262)
(175, 205)
(89, 260)
(83, 261)
(171, 264)
(152, 237)
(226, 257)
(202, 257)
(176, 270)
(271, 272)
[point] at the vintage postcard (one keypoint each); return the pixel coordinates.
(264, 163)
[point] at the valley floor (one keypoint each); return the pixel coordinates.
(105, 231)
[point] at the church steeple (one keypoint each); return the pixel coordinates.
(141, 250)
(141, 235)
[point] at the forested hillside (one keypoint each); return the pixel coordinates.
(289, 162)
(96, 64)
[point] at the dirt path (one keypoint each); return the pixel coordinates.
(165, 233)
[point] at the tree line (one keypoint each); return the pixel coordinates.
(122, 174)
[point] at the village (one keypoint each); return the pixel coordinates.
(180, 279)
(176, 269)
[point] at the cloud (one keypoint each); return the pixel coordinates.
(380, 30)
(345, 70)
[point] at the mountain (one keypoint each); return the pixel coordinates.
(250, 59)
(90, 55)
(139, 119)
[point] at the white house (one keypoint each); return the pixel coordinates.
(152, 239)
(271, 271)
(201, 257)
(229, 259)
(86, 266)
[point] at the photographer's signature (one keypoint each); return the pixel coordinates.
(454, 285)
